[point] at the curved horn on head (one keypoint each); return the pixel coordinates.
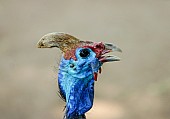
(60, 40)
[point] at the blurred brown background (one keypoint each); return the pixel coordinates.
(138, 87)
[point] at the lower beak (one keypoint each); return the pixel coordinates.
(109, 58)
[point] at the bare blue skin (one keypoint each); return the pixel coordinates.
(76, 83)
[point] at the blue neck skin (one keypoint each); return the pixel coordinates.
(76, 83)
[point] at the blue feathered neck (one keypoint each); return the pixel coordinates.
(76, 83)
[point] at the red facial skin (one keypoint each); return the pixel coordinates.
(98, 48)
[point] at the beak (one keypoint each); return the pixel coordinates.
(108, 47)
(109, 58)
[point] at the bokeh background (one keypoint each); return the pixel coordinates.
(137, 87)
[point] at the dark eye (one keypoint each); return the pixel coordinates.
(84, 53)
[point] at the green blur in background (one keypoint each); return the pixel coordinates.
(137, 87)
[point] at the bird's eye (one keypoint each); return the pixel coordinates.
(84, 53)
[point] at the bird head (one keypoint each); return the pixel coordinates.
(81, 51)
(80, 64)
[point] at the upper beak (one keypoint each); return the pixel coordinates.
(109, 48)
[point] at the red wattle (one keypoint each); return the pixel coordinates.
(100, 70)
(95, 76)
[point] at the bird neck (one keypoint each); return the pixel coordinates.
(78, 91)
(79, 98)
